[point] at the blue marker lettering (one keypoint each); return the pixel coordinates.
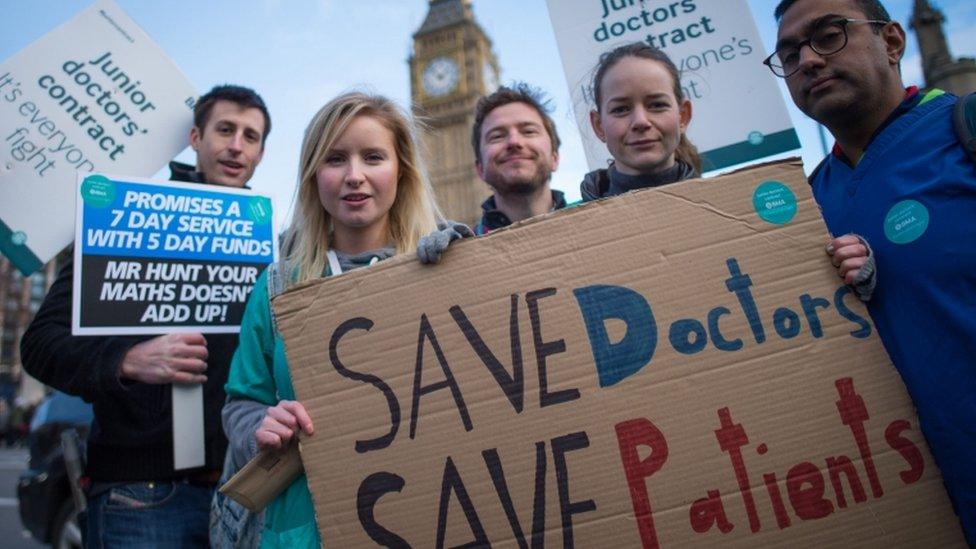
(617, 361)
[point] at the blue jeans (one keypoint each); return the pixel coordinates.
(150, 514)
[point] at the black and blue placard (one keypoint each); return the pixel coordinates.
(157, 257)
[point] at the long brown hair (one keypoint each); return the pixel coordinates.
(686, 152)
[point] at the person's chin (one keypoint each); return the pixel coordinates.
(830, 102)
(647, 163)
(830, 108)
(225, 179)
(518, 183)
(522, 173)
(354, 220)
(528, 185)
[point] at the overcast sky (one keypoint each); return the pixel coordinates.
(299, 54)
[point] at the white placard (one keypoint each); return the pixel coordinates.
(189, 438)
(738, 111)
(94, 95)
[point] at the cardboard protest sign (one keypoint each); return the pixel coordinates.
(675, 367)
(160, 257)
(738, 112)
(94, 95)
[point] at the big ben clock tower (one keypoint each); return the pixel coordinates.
(451, 67)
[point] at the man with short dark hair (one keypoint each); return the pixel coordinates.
(899, 178)
(516, 150)
(226, 137)
(136, 497)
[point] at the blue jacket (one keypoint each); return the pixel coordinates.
(913, 197)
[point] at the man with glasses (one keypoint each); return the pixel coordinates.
(900, 179)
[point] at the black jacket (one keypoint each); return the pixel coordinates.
(492, 218)
(596, 184)
(132, 436)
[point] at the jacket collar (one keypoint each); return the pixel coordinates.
(596, 184)
(185, 172)
(493, 218)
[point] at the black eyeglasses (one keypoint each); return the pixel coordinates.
(826, 39)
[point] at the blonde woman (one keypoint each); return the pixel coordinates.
(362, 197)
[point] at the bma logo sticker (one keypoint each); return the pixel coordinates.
(906, 222)
(774, 202)
(259, 210)
(98, 191)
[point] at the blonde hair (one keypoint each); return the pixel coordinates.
(414, 212)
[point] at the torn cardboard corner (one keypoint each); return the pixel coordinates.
(674, 367)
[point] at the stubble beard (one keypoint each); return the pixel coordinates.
(839, 107)
(519, 186)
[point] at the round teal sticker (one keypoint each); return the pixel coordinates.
(756, 138)
(259, 209)
(98, 191)
(774, 202)
(906, 221)
(18, 238)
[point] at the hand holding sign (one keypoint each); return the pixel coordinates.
(161, 257)
(848, 254)
(281, 423)
(598, 395)
(173, 358)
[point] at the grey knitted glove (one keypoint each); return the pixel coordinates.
(432, 245)
(867, 276)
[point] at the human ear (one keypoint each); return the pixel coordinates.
(195, 136)
(894, 38)
(684, 113)
(597, 126)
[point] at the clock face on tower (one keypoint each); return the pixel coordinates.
(440, 76)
